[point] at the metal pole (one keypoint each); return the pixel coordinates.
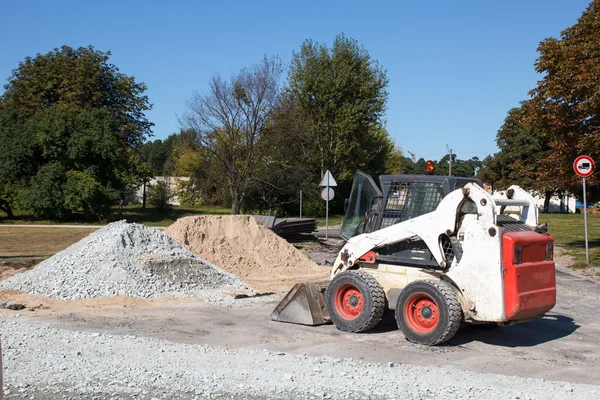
(300, 203)
(450, 169)
(1, 377)
(327, 211)
(587, 254)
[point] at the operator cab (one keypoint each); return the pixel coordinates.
(400, 198)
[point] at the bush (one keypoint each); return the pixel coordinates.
(83, 193)
(45, 195)
(58, 194)
(159, 196)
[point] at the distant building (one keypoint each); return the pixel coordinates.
(558, 204)
(173, 182)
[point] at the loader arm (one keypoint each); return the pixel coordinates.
(427, 227)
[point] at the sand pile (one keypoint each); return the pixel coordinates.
(243, 246)
(125, 259)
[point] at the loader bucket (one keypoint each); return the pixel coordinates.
(304, 305)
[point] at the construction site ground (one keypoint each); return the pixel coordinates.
(564, 346)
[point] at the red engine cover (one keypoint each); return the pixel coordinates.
(529, 287)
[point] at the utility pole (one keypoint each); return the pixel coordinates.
(450, 162)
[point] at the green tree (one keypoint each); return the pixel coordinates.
(230, 120)
(157, 154)
(567, 100)
(468, 168)
(342, 91)
(523, 155)
(82, 79)
(69, 121)
(285, 170)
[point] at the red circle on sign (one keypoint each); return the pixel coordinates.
(584, 166)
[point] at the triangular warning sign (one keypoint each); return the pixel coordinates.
(327, 180)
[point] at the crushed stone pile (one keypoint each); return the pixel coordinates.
(128, 259)
(243, 246)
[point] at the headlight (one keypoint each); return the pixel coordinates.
(518, 254)
(549, 251)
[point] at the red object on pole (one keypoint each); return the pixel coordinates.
(584, 166)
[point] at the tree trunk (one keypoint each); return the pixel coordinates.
(4, 206)
(235, 206)
(236, 201)
(144, 195)
(547, 201)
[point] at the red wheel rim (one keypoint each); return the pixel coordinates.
(422, 314)
(348, 301)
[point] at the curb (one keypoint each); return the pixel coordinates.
(574, 274)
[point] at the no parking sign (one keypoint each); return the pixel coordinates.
(584, 167)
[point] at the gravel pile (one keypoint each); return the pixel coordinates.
(128, 259)
(57, 363)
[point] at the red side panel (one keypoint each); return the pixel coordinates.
(529, 287)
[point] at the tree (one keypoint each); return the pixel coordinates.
(523, 155)
(396, 162)
(83, 79)
(157, 154)
(342, 91)
(230, 122)
(566, 99)
(69, 122)
(285, 170)
(459, 167)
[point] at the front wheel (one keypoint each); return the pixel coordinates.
(355, 301)
(428, 312)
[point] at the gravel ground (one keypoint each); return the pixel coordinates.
(48, 363)
(127, 259)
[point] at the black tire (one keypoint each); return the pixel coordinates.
(428, 312)
(355, 301)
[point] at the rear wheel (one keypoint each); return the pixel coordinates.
(428, 312)
(355, 301)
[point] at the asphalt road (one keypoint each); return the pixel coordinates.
(563, 346)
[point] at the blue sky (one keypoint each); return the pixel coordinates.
(455, 67)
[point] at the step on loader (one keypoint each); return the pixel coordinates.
(438, 252)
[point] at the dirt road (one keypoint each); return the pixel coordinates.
(564, 346)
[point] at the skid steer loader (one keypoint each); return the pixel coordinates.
(438, 251)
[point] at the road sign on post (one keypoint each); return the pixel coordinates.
(327, 194)
(584, 167)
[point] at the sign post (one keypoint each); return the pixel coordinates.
(327, 194)
(584, 167)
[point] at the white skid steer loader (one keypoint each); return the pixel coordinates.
(439, 251)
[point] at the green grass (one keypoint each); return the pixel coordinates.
(568, 232)
(133, 213)
(333, 220)
(150, 216)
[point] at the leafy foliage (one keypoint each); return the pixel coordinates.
(230, 120)
(522, 154)
(157, 154)
(468, 168)
(567, 101)
(83, 79)
(68, 121)
(159, 195)
(540, 140)
(342, 92)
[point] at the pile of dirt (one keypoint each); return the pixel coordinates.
(243, 246)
